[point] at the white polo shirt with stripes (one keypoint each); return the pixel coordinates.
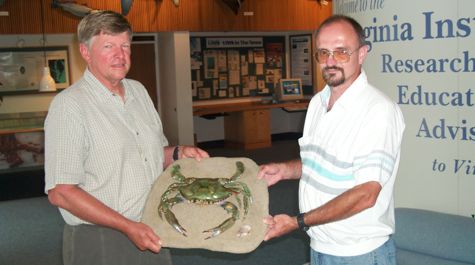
(358, 141)
(112, 149)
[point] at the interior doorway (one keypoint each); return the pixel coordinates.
(144, 67)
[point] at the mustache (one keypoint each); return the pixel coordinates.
(332, 68)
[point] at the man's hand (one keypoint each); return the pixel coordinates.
(279, 225)
(85, 206)
(192, 152)
(143, 237)
(271, 173)
(184, 151)
(275, 172)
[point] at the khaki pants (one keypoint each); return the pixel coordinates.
(97, 245)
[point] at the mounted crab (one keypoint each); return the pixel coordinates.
(205, 191)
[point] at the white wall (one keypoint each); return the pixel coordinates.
(175, 83)
(436, 37)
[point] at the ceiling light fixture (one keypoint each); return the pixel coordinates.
(47, 82)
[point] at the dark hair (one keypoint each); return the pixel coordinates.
(342, 18)
(107, 22)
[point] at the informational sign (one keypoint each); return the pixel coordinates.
(235, 42)
(422, 55)
(301, 60)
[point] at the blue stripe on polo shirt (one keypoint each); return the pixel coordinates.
(320, 170)
(380, 166)
(322, 187)
(378, 159)
(326, 156)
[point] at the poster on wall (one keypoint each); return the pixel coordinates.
(423, 57)
(301, 60)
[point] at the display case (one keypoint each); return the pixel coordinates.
(21, 141)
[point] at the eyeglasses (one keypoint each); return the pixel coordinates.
(340, 55)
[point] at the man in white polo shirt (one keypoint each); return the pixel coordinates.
(349, 153)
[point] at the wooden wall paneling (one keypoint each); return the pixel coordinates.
(180, 16)
(154, 11)
(163, 15)
(6, 26)
(25, 19)
(323, 12)
(138, 16)
(308, 14)
(60, 21)
(54, 18)
(227, 20)
(189, 15)
(113, 5)
(269, 15)
(196, 16)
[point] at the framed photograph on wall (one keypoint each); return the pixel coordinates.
(21, 68)
(59, 69)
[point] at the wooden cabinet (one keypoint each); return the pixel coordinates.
(248, 129)
(247, 124)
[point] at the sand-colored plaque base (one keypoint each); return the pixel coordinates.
(196, 218)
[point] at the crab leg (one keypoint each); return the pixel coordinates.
(164, 208)
(171, 219)
(176, 174)
(230, 208)
(241, 187)
(239, 171)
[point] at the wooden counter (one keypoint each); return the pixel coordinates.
(24, 122)
(20, 130)
(247, 125)
(237, 107)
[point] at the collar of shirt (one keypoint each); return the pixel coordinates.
(350, 98)
(102, 91)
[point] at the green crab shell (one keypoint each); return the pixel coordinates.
(206, 190)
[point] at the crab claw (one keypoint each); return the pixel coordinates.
(220, 228)
(171, 219)
(230, 208)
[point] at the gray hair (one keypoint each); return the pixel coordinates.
(107, 22)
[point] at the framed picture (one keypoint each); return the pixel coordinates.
(58, 66)
(290, 89)
(21, 68)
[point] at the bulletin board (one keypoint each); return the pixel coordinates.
(236, 67)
